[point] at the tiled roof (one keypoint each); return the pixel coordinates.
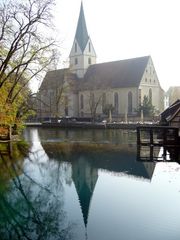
(118, 74)
(56, 78)
(171, 111)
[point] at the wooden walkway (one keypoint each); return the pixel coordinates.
(158, 136)
(157, 153)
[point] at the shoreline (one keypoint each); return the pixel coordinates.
(89, 125)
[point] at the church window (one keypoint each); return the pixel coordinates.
(116, 103)
(150, 95)
(103, 101)
(76, 61)
(89, 47)
(75, 47)
(129, 102)
(139, 96)
(92, 102)
(66, 110)
(145, 79)
(82, 101)
(89, 60)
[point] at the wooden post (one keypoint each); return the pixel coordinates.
(138, 156)
(138, 136)
(151, 136)
(164, 153)
(164, 136)
(176, 136)
(151, 153)
(10, 132)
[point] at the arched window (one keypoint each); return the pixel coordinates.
(92, 102)
(116, 103)
(139, 96)
(82, 101)
(75, 47)
(150, 95)
(103, 101)
(129, 102)
(76, 61)
(66, 110)
(89, 47)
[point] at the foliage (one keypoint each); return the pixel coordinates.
(25, 53)
(147, 108)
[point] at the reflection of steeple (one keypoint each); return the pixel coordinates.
(84, 177)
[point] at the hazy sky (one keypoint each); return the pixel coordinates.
(121, 29)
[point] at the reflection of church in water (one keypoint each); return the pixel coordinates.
(85, 166)
(85, 177)
(85, 173)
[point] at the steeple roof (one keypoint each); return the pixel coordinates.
(81, 31)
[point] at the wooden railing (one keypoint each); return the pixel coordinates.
(158, 136)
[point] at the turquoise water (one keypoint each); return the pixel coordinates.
(86, 184)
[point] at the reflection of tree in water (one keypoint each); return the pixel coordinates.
(29, 209)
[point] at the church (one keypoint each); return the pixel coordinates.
(87, 88)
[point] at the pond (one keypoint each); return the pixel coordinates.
(87, 184)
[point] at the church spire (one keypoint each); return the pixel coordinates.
(81, 31)
(82, 54)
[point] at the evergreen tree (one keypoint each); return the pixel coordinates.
(147, 108)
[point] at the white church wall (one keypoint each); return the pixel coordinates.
(150, 81)
(122, 97)
(73, 105)
(80, 61)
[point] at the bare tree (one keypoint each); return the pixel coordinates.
(25, 52)
(94, 102)
(53, 98)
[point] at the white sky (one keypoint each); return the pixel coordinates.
(121, 29)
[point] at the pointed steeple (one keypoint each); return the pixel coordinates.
(81, 31)
(82, 53)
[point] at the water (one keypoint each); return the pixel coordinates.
(87, 184)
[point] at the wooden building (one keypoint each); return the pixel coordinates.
(171, 116)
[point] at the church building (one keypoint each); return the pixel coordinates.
(87, 88)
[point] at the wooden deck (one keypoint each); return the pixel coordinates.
(157, 153)
(158, 136)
